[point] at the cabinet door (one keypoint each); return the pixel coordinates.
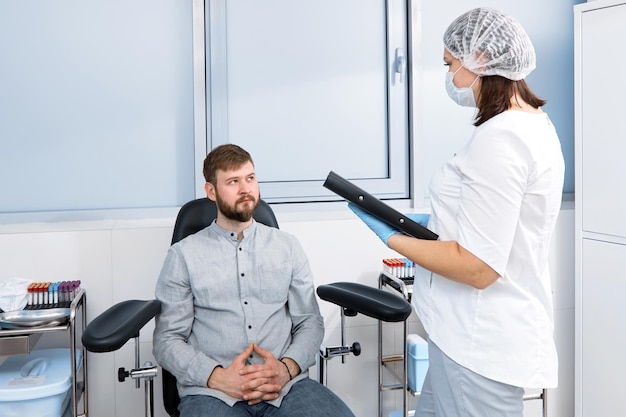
(603, 140)
(604, 327)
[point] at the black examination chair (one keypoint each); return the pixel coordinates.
(113, 328)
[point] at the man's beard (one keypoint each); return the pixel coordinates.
(233, 213)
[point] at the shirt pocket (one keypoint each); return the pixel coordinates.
(212, 286)
(274, 282)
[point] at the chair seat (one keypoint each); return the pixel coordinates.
(370, 301)
(113, 328)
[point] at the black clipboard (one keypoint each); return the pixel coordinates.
(377, 208)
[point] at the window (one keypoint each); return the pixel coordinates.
(96, 107)
(308, 87)
(116, 121)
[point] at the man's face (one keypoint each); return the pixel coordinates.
(236, 192)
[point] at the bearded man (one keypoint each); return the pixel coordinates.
(239, 324)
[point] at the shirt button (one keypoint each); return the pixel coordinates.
(243, 275)
(249, 327)
(245, 302)
(240, 249)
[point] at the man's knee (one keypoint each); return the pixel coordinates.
(311, 397)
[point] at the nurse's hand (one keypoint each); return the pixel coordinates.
(382, 229)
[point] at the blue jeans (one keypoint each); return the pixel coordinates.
(307, 398)
(452, 390)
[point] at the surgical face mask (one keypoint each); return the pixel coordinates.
(462, 96)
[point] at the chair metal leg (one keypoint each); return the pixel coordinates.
(149, 390)
(321, 368)
(148, 372)
(327, 353)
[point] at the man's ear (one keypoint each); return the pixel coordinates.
(210, 191)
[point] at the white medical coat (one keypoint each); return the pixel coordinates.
(499, 198)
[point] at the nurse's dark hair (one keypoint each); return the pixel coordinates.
(225, 157)
(495, 96)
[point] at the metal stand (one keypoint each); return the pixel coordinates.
(384, 361)
(22, 340)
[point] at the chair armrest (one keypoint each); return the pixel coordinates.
(373, 302)
(121, 322)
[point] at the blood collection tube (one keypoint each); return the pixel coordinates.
(30, 300)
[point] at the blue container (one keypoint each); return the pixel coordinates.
(37, 384)
(400, 413)
(417, 365)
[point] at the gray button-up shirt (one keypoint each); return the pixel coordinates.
(219, 294)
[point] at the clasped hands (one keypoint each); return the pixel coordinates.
(251, 383)
(382, 229)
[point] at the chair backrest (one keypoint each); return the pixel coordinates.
(193, 217)
(198, 214)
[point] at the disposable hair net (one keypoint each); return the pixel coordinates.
(490, 42)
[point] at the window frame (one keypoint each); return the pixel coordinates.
(211, 77)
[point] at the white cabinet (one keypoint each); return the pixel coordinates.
(603, 330)
(600, 30)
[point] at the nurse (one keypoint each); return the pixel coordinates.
(484, 295)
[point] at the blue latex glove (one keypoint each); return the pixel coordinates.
(382, 229)
(419, 218)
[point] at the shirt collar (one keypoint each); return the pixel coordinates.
(230, 234)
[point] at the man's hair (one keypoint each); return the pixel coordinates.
(225, 157)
